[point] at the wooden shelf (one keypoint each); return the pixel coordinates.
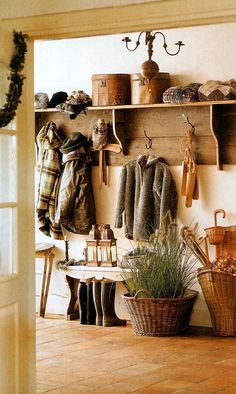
(139, 106)
(215, 129)
(47, 110)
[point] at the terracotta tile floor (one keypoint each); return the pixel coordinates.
(74, 358)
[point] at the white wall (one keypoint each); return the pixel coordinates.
(68, 65)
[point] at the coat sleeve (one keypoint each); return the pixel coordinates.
(165, 193)
(48, 177)
(120, 207)
(69, 189)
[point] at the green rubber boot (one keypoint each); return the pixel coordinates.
(91, 312)
(82, 299)
(97, 302)
(108, 305)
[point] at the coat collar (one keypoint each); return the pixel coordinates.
(147, 161)
(78, 154)
(49, 137)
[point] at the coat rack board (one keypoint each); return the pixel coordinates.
(214, 139)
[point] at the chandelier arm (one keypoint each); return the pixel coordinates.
(159, 32)
(179, 43)
(127, 40)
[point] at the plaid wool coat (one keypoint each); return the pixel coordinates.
(49, 140)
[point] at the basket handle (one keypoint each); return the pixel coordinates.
(204, 237)
(141, 291)
(211, 277)
(215, 214)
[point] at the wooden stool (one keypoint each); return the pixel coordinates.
(44, 250)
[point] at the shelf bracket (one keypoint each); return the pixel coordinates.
(114, 129)
(215, 131)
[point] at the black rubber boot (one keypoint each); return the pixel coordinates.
(91, 311)
(108, 305)
(97, 302)
(82, 298)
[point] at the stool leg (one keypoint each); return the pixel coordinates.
(48, 279)
(43, 285)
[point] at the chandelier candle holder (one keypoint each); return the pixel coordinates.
(149, 68)
(101, 247)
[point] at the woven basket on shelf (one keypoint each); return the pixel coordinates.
(229, 243)
(224, 238)
(215, 234)
(160, 316)
(219, 289)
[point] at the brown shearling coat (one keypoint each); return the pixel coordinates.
(147, 192)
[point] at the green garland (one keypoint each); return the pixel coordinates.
(8, 111)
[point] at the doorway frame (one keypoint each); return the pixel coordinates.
(159, 14)
(162, 14)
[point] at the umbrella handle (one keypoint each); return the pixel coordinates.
(216, 213)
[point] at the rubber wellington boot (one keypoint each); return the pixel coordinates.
(91, 311)
(108, 305)
(82, 298)
(97, 302)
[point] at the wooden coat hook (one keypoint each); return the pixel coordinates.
(187, 121)
(149, 144)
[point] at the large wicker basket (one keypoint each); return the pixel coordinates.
(219, 289)
(160, 316)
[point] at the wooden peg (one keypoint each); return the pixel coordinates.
(102, 168)
(191, 179)
(184, 177)
(196, 189)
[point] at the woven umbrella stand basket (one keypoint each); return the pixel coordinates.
(219, 290)
(160, 316)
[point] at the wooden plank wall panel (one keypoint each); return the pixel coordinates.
(83, 123)
(168, 149)
(166, 121)
(165, 126)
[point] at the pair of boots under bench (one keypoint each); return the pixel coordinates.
(97, 304)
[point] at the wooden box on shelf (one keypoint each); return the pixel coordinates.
(148, 92)
(111, 89)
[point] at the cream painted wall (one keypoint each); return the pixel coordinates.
(68, 65)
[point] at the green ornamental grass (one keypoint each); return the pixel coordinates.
(164, 269)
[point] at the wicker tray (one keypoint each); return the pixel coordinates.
(160, 316)
(219, 289)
